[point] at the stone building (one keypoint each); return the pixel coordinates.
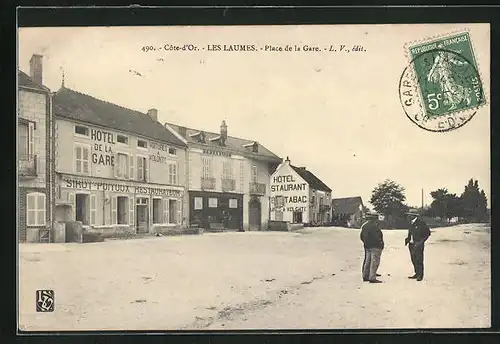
(34, 149)
(118, 171)
(299, 197)
(227, 179)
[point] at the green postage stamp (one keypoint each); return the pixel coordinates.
(441, 89)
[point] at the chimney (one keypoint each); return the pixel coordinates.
(287, 160)
(153, 113)
(36, 70)
(223, 131)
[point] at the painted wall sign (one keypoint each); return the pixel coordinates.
(216, 152)
(158, 158)
(117, 187)
(102, 154)
(288, 195)
(158, 146)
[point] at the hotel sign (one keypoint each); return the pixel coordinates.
(83, 184)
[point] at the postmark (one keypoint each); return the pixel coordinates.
(441, 89)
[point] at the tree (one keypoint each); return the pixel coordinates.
(445, 205)
(388, 198)
(474, 202)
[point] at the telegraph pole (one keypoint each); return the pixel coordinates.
(422, 209)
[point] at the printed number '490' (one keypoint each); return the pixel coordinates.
(433, 100)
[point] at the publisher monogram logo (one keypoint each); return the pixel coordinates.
(45, 300)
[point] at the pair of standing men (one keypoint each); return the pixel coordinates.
(373, 241)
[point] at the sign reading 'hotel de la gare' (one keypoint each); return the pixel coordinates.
(121, 187)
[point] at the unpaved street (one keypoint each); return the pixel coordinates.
(257, 280)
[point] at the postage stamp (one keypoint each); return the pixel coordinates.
(441, 89)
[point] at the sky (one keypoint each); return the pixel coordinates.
(338, 114)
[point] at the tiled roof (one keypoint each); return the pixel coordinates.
(347, 205)
(81, 107)
(242, 146)
(313, 181)
(24, 80)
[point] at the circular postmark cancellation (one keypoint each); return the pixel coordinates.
(440, 90)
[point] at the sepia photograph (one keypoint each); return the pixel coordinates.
(199, 178)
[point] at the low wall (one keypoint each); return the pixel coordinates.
(278, 226)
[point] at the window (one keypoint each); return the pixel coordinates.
(172, 151)
(313, 199)
(321, 201)
(122, 165)
(212, 202)
(142, 144)
(255, 174)
(227, 169)
(26, 142)
(172, 211)
(233, 203)
(35, 209)
(82, 158)
(172, 174)
(81, 130)
(122, 139)
(141, 168)
(121, 210)
(280, 202)
(207, 167)
(198, 203)
(278, 216)
(157, 211)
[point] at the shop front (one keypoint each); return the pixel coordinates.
(216, 210)
(116, 207)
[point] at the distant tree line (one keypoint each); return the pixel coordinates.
(388, 198)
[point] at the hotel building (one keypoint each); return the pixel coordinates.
(118, 171)
(298, 196)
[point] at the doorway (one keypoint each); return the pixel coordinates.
(142, 215)
(82, 205)
(254, 214)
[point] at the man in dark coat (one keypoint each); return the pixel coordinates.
(418, 233)
(373, 242)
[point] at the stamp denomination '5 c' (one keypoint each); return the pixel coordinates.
(441, 89)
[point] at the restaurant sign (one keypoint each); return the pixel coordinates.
(83, 184)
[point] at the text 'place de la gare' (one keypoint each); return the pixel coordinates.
(115, 171)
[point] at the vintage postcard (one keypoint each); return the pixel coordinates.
(254, 177)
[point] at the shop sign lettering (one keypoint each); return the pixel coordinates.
(287, 183)
(102, 153)
(158, 158)
(114, 187)
(215, 152)
(158, 146)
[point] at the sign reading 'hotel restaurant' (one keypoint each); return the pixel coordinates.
(82, 184)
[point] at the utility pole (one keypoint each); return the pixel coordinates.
(422, 209)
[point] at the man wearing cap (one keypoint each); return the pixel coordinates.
(373, 242)
(418, 233)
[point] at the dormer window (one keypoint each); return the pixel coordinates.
(254, 147)
(200, 136)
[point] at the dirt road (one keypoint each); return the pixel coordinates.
(257, 280)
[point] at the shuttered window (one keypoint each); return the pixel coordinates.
(35, 209)
(82, 159)
(93, 210)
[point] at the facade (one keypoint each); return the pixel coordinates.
(227, 179)
(348, 211)
(298, 196)
(118, 171)
(34, 147)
